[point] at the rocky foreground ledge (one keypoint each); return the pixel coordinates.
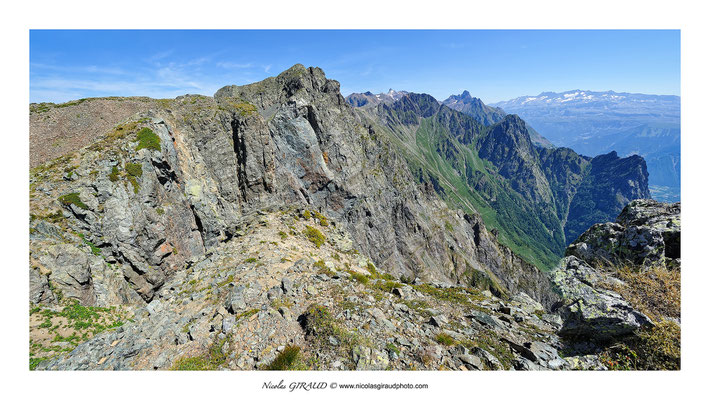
(291, 282)
(290, 292)
(620, 288)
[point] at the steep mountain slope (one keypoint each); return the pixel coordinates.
(167, 185)
(521, 190)
(273, 298)
(487, 115)
(272, 291)
(594, 123)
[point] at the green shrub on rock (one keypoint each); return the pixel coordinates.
(314, 235)
(147, 139)
(287, 360)
(443, 338)
(134, 169)
(113, 176)
(73, 198)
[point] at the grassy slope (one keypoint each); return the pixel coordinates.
(518, 227)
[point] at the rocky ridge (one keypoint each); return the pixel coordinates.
(260, 206)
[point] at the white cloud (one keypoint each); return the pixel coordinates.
(93, 69)
(233, 65)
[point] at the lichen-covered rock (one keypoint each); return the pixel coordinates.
(646, 234)
(587, 308)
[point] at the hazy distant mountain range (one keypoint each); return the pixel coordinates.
(595, 123)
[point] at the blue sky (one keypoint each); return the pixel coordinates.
(492, 65)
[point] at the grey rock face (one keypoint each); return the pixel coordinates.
(236, 302)
(589, 310)
(71, 271)
(288, 140)
(40, 291)
(646, 234)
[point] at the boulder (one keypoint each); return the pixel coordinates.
(589, 310)
(646, 234)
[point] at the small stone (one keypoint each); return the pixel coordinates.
(471, 361)
(285, 313)
(438, 321)
(228, 323)
(287, 285)
(235, 301)
(274, 293)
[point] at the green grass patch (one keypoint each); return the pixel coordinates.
(322, 220)
(314, 235)
(34, 362)
(94, 249)
(320, 325)
(386, 285)
(214, 359)
(654, 348)
(113, 176)
(444, 339)
(362, 278)
(458, 295)
(73, 198)
(147, 139)
(134, 169)
(322, 269)
(287, 360)
(246, 314)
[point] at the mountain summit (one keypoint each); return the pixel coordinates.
(486, 115)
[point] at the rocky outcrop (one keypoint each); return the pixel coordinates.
(248, 301)
(587, 308)
(474, 107)
(292, 139)
(646, 234)
(609, 183)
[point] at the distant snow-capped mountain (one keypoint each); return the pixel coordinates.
(369, 99)
(587, 96)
